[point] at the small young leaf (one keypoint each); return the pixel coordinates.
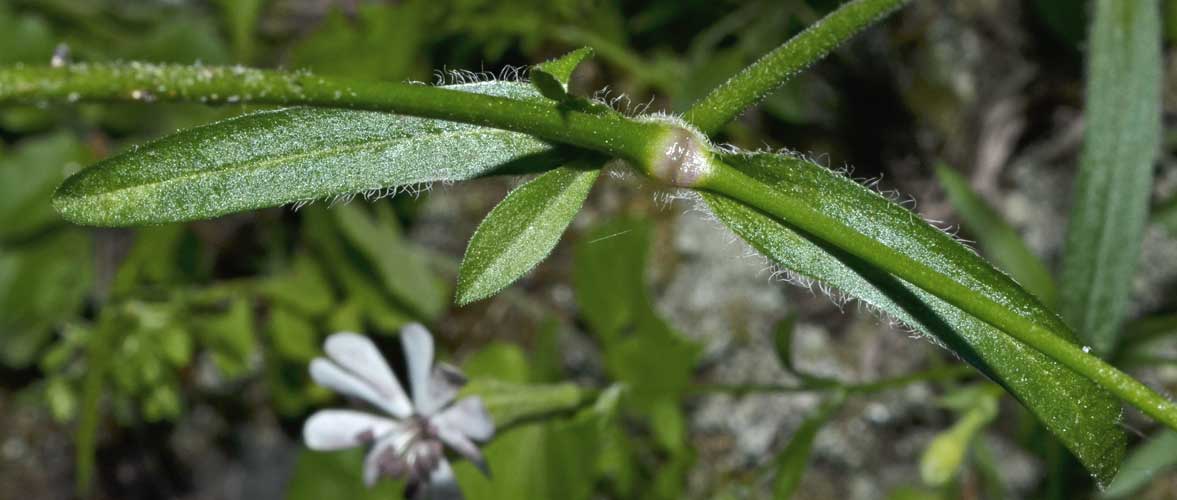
(1079, 412)
(944, 456)
(792, 462)
(521, 231)
(551, 78)
(1122, 138)
(285, 156)
(1000, 241)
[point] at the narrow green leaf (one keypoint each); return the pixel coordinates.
(521, 231)
(1110, 205)
(997, 238)
(1084, 416)
(512, 403)
(754, 82)
(551, 78)
(793, 461)
(86, 437)
(287, 156)
(609, 276)
(28, 175)
(1152, 458)
(782, 340)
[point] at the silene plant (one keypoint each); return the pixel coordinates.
(339, 137)
(407, 442)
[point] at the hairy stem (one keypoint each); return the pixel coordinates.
(727, 181)
(767, 74)
(606, 132)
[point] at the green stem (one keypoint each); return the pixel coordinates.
(607, 132)
(768, 73)
(952, 372)
(732, 183)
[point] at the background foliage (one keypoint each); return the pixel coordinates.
(172, 359)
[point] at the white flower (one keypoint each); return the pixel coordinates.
(409, 444)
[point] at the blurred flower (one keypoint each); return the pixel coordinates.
(410, 444)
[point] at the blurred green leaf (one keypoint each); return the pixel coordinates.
(99, 341)
(1151, 459)
(360, 288)
(337, 474)
(240, 18)
(28, 175)
(609, 275)
(782, 340)
(641, 349)
(303, 288)
(500, 361)
(511, 403)
(997, 238)
(1082, 415)
(346, 317)
(43, 283)
(153, 260)
(27, 38)
(63, 403)
(943, 457)
(381, 42)
(1121, 140)
(401, 268)
(230, 337)
(293, 337)
(551, 78)
(186, 39)
(553, 459)
(218, 169)
(794, 459)
(521, 231)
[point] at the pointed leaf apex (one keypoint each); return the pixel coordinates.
(551, 77)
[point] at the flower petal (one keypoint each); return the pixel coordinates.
(357, 354)
(469, 417)
(444, 383)
(339, 429)
(419, 356)
(441, 486)
(331, 376)
(464, 446)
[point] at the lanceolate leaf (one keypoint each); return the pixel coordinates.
(793, 461)
(997, 238)
(522, 230)
(1110, 206)
(277, 157)
(1082, 415)
(551, 78)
